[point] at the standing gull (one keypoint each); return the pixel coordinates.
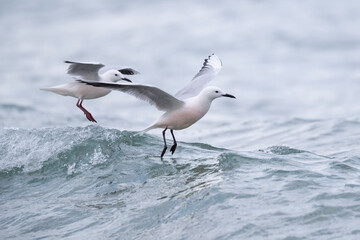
(188, 106)
(89, 71)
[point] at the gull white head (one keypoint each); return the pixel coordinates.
(113, 76)
(212, 93)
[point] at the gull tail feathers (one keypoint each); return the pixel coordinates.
(145, 130)
(58, 90)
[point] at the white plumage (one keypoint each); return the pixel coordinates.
(88, 71)
(188, 106)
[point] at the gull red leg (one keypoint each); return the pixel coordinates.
(173, 148)
(87, 114)
(165, 146)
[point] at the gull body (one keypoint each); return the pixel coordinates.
(179, 114)
(89, 71)
(82, 91)
(192, 110)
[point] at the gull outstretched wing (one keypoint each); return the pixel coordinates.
(128, 71)
(87, 71)
(153, 95)
(211, 67)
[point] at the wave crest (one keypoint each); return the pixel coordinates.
(31, 150)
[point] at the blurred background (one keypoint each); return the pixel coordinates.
(282, 59)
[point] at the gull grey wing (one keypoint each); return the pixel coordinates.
(88, 71)
(153, 95)
(212, 66)
(128, 71)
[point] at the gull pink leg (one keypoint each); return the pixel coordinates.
(87, 114)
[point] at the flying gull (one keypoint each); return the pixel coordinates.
(188, 105)
(89, 71)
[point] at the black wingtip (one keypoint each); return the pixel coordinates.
(128, 71)
(206, 60)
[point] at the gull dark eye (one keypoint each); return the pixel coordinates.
(216, 91)
(116, 75)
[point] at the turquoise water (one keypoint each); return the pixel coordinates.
(92, 182)
(282, 161)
